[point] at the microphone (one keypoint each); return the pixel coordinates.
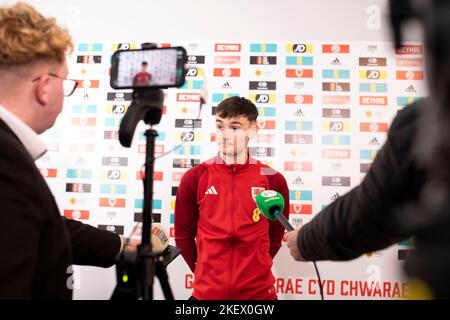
(271, 204)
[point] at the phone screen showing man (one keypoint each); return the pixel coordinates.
(148, 68)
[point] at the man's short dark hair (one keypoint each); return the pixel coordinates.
(144, 63)
(237, 106)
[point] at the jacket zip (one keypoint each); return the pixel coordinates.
(232, 243)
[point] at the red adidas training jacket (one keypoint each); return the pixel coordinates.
(225, 241)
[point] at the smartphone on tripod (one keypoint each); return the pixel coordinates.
(151, 68)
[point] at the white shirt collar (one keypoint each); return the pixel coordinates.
(33, 144)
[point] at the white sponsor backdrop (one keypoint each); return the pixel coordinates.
(325, 104)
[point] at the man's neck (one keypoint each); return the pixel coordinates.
(19, 112)
(236, 159)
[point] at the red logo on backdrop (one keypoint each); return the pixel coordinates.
(227, 72)
(336, 154)
(90, 122)
(300, 208)
(372, 101)
(336, 100)
(265, 138)
(76, 214)
(188, 97)
(298, 166)
(409, 62)
(157, 175)
(227, 59)
(410, 50)
(176, 176)
(159, 149)
(336, 48)
(49, 173)
(410, 75)
(228, 47)
(299, 73)
(373, 127)
(87, 84)
(299, 99)
(266, 124)
(112, 202)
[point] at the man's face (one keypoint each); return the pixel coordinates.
(233, 134)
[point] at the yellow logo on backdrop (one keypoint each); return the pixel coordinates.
(299, 48)
(263, 98)
(372, 74)
(124, 46)
(188, 136)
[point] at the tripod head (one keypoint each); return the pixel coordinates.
(147, 105)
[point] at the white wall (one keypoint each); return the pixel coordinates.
(220, 19)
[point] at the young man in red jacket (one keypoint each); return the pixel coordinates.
(224, 239)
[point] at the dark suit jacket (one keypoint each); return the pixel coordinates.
(38, 245)
(367, 218)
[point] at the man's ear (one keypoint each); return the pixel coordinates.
(41, 89)
(253, 131)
